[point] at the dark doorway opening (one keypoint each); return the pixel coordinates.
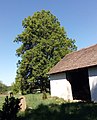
(80, 84)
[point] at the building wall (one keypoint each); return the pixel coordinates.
(93, 82)
(60, 87)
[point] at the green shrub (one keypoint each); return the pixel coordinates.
(44, 95)
(10, 108)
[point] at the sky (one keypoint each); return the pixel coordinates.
(78, 17)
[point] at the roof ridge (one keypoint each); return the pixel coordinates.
(81, 49)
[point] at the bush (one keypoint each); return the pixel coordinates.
(10, 108)
(44, 95)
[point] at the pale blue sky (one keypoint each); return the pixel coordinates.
(79, 17)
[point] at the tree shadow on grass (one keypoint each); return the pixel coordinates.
(67, 111)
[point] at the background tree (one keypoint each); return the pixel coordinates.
(43, 43)
(3, 88)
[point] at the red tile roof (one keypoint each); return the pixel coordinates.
(79, 59)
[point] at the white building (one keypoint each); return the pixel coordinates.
(75, 76)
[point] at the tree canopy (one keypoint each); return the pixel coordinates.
(43, 43)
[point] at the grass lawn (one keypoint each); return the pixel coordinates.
(55, 109)
(2, 98)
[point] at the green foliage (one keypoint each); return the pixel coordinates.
(10, 108)
(43, 43)
(44, 95)
(3, 88)
(15, 88)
